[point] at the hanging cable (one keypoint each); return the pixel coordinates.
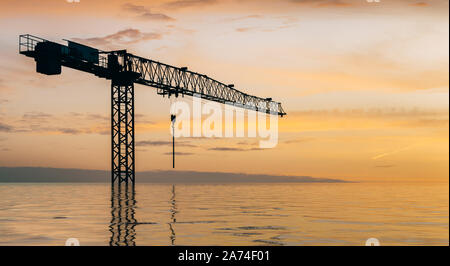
(172, 119)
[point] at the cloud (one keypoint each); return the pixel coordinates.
(382, 155)
(233, 149)
(123, 37)
(299, 140)
(263, 29)
(142, 118)
(323, 3)
(189, 3)
(362, 3)
(276, 23)
(97, 117)
(420, 4)
(144, 13)
(254, 16)
(5, 128)
(144, 143)
(245, 29)
(179, 153)
(226, 149)
(72, 123)
(89, 116)
(30, 116)
(71, 131)
(385, 166)
(252, 143)
(153, 143)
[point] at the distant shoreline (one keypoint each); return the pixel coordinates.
(72, 175)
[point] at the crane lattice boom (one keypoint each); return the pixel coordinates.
(169, 80)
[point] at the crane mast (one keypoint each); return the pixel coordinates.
(124, 70)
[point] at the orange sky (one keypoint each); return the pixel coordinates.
(365, 84)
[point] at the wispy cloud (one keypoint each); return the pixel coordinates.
(362, 3)
(72, 131)
(385, 166)
(297, 140)
(144, 13)
(121, 38)
(43, 123)
(277, 23)
(241, 18)
(179, 153)
(189, 3)
(244, 29)
(225, 149)
(420, 4)
(144, 143)
(233, 149)
(5, 127)
(36, 116)
(382, 155)
(323, 3)
(142, 118)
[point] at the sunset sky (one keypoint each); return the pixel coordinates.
(365, 85)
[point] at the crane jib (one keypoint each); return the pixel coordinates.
(169, 80)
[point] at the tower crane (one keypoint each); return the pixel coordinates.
(124, 70)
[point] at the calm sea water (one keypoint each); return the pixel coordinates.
(232, 214)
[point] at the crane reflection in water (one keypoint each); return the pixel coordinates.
(123, 221)
(173, 220)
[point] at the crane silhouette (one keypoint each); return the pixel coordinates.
(124, 70)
